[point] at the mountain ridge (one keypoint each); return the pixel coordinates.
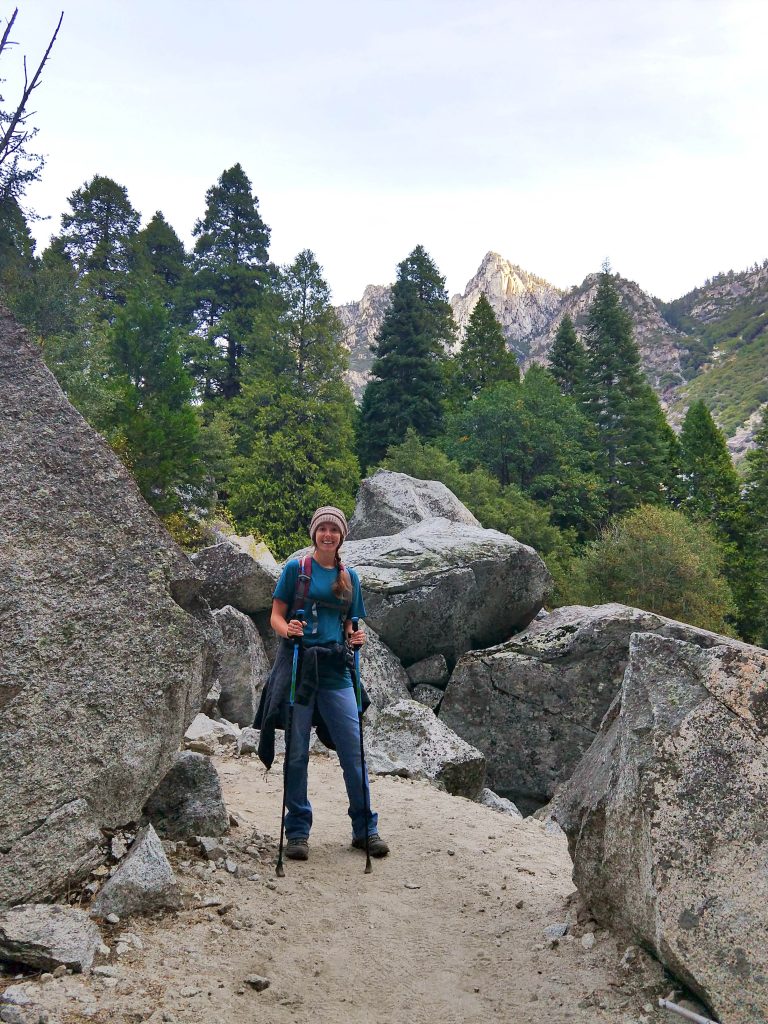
(678, 340)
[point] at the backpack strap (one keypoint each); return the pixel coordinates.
(303, 582)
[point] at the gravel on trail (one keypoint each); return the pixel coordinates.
(473, 917)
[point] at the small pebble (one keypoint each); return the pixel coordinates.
(520, 904)
(588, 940)
(451, 853)
(189, 992)
(112, 919)
(411, 885)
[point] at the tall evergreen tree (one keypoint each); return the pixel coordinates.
(623, 407)
(17, 255)
(483, 358)
(97, 236)
(755, 606)
(309, 326)
(406, 386)
(294, 418)
(161, 252)
(533, 437)
(230, 279)
(709, 484)
(161, 259)
(152, 424)
(568, 360)
(709, 490)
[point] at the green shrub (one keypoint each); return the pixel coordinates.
(657, 559)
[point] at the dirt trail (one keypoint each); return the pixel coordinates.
(448, 929)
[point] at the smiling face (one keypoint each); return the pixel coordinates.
(327, 537)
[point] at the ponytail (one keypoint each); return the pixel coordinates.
(342, 587)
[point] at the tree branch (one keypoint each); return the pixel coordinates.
(12, 137)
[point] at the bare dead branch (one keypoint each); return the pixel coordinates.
(8, 27)
(12, 138)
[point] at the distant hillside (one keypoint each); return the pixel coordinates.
(662, 346)
(710, 344)
(726, 328)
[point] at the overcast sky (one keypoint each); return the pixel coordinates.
(555, 132)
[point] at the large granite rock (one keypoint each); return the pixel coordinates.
(106, 650)
(389, 502)
(244, 666)
(382, 675)
(188, 802)
(534, 704)
(142, 883)
(237, 573)
(429, 672)
(46, 936)
(666, 818)
(444, 588)
(407, 739)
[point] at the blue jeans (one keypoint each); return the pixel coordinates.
(339, 711)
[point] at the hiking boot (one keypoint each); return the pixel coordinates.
(297, 848)
(376, 845)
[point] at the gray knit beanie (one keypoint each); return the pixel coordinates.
(331, 515)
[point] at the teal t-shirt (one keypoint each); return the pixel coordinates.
(324, 614)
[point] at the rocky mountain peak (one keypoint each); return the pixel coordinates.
(523, 302)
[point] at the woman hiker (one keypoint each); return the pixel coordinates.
(331, 598)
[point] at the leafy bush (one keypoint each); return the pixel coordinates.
(655, 558)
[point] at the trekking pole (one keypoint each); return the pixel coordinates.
(288, 732)
(363, 770)
(667, 1004)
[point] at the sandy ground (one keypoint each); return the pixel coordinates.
(449, 929)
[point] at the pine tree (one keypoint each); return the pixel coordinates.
(406, 386)
(17, 256)
(294, 418)
(152, 424)
(568, 360)
(309, 325)
(161, 252)
(710, 491)
(97, 236)
(533, 437)
(231, 277)
(483, 358)
(620, 402)
(709, 482)
(755, 606)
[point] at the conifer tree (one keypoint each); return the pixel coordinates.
(230, 279)
(531, 436)
(309, 326)
(151, 423)
(483, 358)
(620, 402)
(755, 606)
(97, 237)
(161, 252)
(160, 257)
(568, 360)
(406, 386)
(709, 482)
(294, 418)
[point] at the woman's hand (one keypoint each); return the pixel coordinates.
(356, 638)
(295, 628)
